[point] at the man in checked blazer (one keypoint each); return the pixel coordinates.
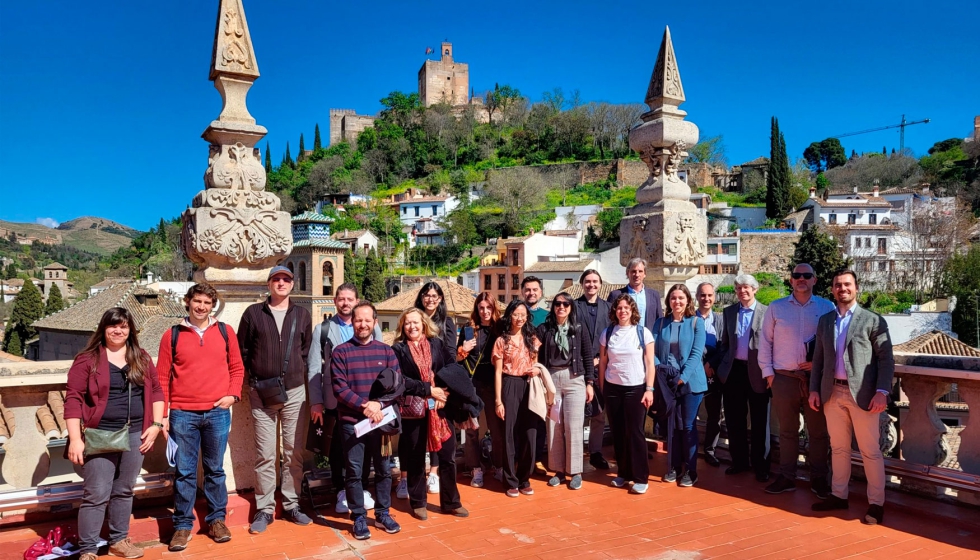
(853, 369)
(745, 393)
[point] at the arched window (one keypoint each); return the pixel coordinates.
(289, 265)
(327, 278)
(302, 276)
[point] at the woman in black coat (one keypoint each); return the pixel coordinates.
(420, 355)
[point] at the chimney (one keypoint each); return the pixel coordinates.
(855, 189)
(813, 192)
(925, 189)
(874, 189)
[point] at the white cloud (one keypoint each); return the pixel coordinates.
(50, 222)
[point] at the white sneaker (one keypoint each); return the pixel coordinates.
(341, 506)
(433, 484)
(638, 488)
(477, 481)
(368, 500)
(402, 492)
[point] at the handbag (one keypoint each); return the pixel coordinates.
(273, 391)
(103, 441)
(412, 407)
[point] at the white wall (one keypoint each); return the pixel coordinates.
(905, 326)
(609, 268)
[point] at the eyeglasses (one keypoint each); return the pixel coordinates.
(563, 304)
(430, 296)
(803, 275)
(282, 279)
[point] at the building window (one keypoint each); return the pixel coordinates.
(487, 282)
(514, 257)
(515, 282)
(882, 246)
(404, 209)
(729, 269)
(384, 325)
(513, 297)
(328, 278)
(873, 219)
(730, 249)
(852, 218)
(832, 219)
(435, 210)
(883, 266)
(416, 211)
(501, 283)
(501, 298)
(867, 266)
(302, 276)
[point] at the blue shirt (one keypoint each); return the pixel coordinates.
(710, 336)
(346, 329)
(640, 298)
(743, 330)
(841, 324)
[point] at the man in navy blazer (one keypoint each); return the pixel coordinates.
(647, 299)
(593, 313)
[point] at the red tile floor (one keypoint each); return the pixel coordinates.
(722, 517)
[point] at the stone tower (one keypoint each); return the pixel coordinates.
(665, 227)
(444, 80)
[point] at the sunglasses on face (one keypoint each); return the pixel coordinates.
(803, 275)
(563, 304)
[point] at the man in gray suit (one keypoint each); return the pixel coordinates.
(647, 299)
(853, 368)
(744, 390)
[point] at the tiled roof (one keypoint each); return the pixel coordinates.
(576, 290)
(321, 244)
(801, 216)
(427, 198)
(347, 234)
(152, 331)
(5, 358)
(560, 266)
(872, 227)
(312, 217)
(871, 203)
(757, 161)
(459, 300)
(937, 343)
(84, 316)
(56, 266)
(112, 281)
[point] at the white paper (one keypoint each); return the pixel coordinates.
(171, 452)
(554, 413)
(365, 426)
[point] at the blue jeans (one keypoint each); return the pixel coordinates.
(199, 433)
(686, 435)
(355, 450)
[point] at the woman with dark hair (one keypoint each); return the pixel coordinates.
(681, 379)
(474, 351)
(514, 354)
(421, 354)
(567, 354)
(112, 386)
(626, 374)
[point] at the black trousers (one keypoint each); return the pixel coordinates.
(627, 416)
(411, 455)
(520, 431)
(338, 463)
(712, 408)
(741, 402)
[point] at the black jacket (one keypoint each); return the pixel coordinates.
(263, 347)
(654, 308)
(579, 348)
(463, 403)
(413, 377)
(601, 319)
(389, 385)
(481, 363)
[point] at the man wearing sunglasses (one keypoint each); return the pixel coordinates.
(785, 356)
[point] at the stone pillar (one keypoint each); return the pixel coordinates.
(235, 231)
(665, 227)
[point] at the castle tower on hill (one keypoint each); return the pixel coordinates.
(444, 80)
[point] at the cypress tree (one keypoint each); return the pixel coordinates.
(373, 286)
(316, 138)
(161, 231)
(55, 302)
(14, 345)
(302, 149)
(288, 159)
(350, 267)
(28, 307)
(777, 182)
(884, 151)
(268, 159)
(821, 251)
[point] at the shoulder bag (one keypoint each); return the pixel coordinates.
(98, 441)
(273, 391)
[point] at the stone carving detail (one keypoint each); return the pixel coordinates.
(234, 55)
(686, 246)
(236, 167)
(922, 438)
(673, 156)
(635, 239)
(666, 79)
(236, 237)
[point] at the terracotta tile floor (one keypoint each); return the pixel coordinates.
(721, 517)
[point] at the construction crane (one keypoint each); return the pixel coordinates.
(901, 126)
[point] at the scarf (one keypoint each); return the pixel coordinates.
(438, 427)
(561, 338)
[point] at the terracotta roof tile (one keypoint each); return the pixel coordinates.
(459, 300)
(937, 343)
(56, 266)
(348, 234)
(560, 266)
(142, 302)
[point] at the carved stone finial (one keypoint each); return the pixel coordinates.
(233, 53)
(665, 83)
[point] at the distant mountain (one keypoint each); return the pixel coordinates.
(92, 234)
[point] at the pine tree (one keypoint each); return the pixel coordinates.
(28, 307)
(821, 251)
(268, 159)
(302, 149)
(288, 159)
(373, 285)
(55, 302)
(316, 138)
(14, 345)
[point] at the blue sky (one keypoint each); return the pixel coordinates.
(102, 104)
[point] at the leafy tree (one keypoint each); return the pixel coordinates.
(608, 220)
(960, 279)
(591, 238)
(268, 159)
(708, 150)
(777, 183)
(373, 284)
(460, 227)
(316, 138)
(945, 145)
(821, 251)
(519, 192)
(55, 302)
(14, 344)
(825, 155)
(499, 99)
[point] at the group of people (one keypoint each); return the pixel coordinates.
(534, 377)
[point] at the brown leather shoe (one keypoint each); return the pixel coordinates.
(420, 513)
(219, 531)
(458, 512)
(125, 549)
(179, 541)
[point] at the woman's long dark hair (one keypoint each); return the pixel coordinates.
(551, 321)
(439, 316)
(527, 331)
(135, 357)
(475, 321)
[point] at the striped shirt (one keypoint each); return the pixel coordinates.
(356, 366)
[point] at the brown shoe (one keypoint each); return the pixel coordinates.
(88, 556)
(219, 531)
(125, 549)
(458, 512)
(179, 541)
(420, 513)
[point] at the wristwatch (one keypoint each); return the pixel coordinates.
(236, 397)
(648, 389)
(158, 425)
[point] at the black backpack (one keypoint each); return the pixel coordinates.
(175, 332)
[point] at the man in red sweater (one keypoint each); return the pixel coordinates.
(201, 377)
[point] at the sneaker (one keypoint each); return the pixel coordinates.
(671, 476)
(432, 486)
(639, 488)
(598, 461)
(368, 500)
(458, 512)
(820, 487)
(711, 459)
(298, 517)
(219, 532)
(782, 484)
(402, 491)
(259, 524)
(556, 480)
(126, 549)
(477, 481)
(831, 503)
(179, 541)
(341, 506)
(360, 530)
(384, 521)
(526, 489)
(513, 492)
(576, 483)
(874, 516)
(687, 480)
(618, 482)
